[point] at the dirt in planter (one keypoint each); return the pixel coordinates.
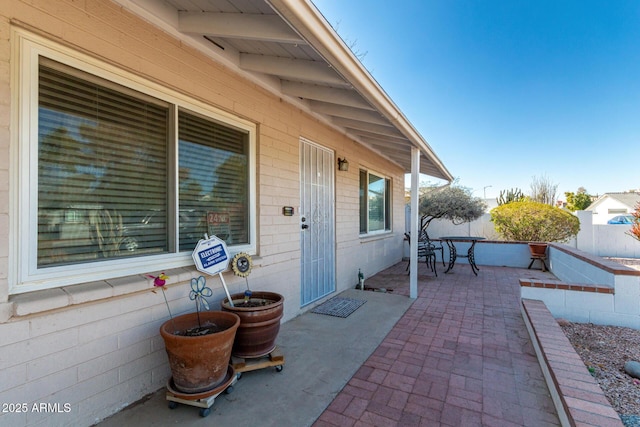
(209, 328)
(253, 303)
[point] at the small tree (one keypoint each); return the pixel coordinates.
(543, 191)
(578, 201)
(449, 202)
(531, 221)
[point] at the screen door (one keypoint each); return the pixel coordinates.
(317, 222)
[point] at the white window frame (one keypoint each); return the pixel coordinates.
(388, 198)
(24, 274)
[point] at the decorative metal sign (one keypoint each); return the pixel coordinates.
(241, 264)
(211, 256)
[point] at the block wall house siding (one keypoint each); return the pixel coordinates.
(95, 345)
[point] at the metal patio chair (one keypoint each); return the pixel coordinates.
(435, 247)
(426, 251)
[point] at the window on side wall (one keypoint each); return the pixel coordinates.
(122, 180)
(375, 203)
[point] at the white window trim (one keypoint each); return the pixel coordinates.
(369, 233)
(24, 276)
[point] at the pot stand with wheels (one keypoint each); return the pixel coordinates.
(254, 346)
(274, 358)
(203, 400)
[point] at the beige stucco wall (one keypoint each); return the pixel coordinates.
(96, 346)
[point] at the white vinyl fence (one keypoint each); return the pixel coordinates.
(603, 240)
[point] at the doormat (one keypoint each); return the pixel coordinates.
(338, 306)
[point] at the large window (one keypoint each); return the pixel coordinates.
(213, 178)
(122, 175)
(102, 170)
(375, 203)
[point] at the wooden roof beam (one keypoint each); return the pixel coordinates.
(246, 26)
(287, 68)
(346, 97)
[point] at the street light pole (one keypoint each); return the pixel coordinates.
(485, 190)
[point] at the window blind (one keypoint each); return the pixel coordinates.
(102, 169)
(213, 181)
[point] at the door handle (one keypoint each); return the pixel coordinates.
(305, 226)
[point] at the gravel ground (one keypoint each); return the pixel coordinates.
(604, 350)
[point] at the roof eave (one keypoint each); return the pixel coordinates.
(305, 18)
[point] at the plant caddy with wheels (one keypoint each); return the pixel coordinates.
(210, 256)
(260, 314)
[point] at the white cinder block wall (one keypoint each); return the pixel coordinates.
(571, 266)
(89, 350)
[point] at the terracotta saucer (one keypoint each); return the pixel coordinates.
(228, 379)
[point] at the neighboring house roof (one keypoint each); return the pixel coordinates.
(629, 199)
(289, 48)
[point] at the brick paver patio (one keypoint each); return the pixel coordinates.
(460, 356)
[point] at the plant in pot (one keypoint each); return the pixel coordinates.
(534, 222)
(259, 312)
(198, 344)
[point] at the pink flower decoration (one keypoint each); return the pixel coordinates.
(160, 281)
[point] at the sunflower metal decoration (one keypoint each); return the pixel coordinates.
(241, 264)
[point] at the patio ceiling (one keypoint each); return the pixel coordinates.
(289, 48)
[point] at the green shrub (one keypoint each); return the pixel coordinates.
(534, 222)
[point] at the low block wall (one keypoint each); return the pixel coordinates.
(589, 289)
(489, 252)
(578, 398)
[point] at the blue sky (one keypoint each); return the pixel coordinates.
(508, 90)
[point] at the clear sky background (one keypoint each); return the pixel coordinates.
(505, 90)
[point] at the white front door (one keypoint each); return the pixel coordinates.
(317, 222)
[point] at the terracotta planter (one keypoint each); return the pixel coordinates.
(199, 363)
(538, 249)
(259, 326)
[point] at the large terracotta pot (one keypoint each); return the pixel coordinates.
(538, 249)
(199, 363)
(259, 326)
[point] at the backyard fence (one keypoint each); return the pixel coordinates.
(603, 240)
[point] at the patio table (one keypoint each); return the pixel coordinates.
(453, 253)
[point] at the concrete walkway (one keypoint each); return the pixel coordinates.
(458, 355)
(321, 354)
